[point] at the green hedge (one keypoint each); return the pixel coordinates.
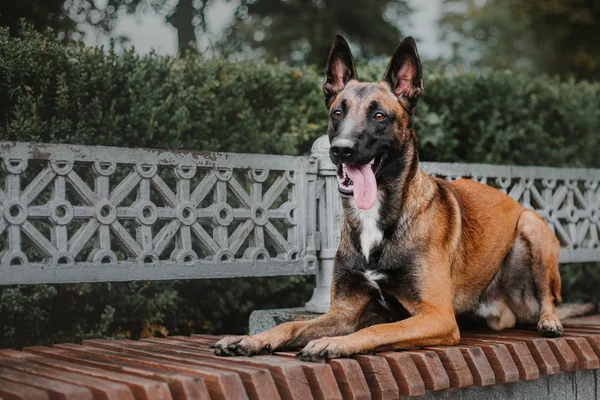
(50, 93)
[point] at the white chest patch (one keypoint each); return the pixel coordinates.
(374, 276)
(370, 234)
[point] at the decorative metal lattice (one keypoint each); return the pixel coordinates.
(76, 213)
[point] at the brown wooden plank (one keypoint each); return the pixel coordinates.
(211, 338)
(455, 365)
(57, 389)
(500, 359)
(182, 387)
(592, 337)
(562, 351)
(16, 391)
(101, 389)
(290, 379)
(348, 374)
(320, 376)
(587, 358)
(540, 351)
(257, 381)
(431, 369)
(589, 327)
(293, 370)
(141, 388)
(406, 373)
(522, 356)
(287, 375)
(220, 384)
(350, 379)
(586, 320)
(379, 377)
(480, 367)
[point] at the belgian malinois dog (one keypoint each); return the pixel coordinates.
(415, 251)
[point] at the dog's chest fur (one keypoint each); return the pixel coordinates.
(388, 264)
(370, 233)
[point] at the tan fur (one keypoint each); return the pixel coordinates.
(472, 249)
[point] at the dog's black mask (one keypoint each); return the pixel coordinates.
(368, 122)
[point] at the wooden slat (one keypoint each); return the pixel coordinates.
(520, 353)
(540, 351)
(483, 374)
(347, 373)
(502, 363)
(14, 391)
(431, 369)
(220, 384)
(574, 352)
(57, 389)
(591, 336)
(562, 351)
(351, 383)
(456, 367)
(379, 377)
(257, 381)
(103, 386)
(289, 378)
(405, 372)
(101, 390)
(182, 386)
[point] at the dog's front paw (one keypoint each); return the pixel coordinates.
(550, 327)
(240, 346)
(323, 349)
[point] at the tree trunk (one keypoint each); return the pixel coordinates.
(182, 21)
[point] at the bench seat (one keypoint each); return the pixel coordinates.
(512, 364)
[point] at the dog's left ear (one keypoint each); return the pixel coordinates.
(403, 74)
(339, 71)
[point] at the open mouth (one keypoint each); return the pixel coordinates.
(360, 180)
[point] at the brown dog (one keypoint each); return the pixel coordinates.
(415, 251)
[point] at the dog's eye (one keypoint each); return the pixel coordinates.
(337, 114)
(379, 116)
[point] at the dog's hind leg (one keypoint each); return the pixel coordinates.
(544, 253)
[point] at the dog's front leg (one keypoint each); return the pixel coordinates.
(341, 319)
(431, 326)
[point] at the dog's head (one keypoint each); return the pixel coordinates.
(369, 122)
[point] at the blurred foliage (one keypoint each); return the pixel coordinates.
(301, 31)
(551, 36)
(92, 96)
(298, 31)
(46, 314)
(49, 93)
(41, 14)
(68, 17)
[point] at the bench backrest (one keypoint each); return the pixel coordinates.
(86, 214)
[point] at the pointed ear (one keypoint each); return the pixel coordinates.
(403, 74)
(339, 71)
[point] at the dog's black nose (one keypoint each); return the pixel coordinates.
(342, 150)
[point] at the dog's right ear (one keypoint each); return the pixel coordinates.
(339, 71)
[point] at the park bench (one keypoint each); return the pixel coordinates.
(97, 214)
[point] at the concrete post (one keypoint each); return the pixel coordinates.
(329, 220)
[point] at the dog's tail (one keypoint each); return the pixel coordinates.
(570, 310)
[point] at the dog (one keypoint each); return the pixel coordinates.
(415, 251)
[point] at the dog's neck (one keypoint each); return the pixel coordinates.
(399, 200)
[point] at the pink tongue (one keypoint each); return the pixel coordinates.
(365, 186)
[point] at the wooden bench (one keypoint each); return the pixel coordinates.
(184, 368)
(91, 214)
